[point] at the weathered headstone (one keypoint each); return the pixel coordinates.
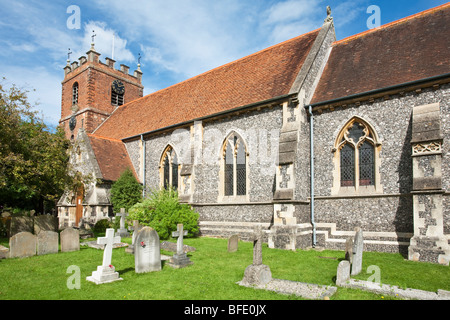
(70, 240)
(257, 273)
(136, 228)
(358, 245)
(147, 252)
(122, 231)
(106, 272)
(22, 244)
(4, 252)
(47, 242)
(349, 250)
(343, 272)
(179, 259)
(233, 243)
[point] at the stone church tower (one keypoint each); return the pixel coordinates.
(92, 90)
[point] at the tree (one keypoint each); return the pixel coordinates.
(126, 191)
(33, 160)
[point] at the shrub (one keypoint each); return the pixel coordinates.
(126, 191)
(101, 226)
(162, 211)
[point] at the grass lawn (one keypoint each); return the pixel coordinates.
(213, 275)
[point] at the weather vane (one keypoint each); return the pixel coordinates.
(68, 54)
(93, 36)
(139, 59)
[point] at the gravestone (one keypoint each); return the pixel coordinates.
(349, 250)
(4, 252)
(70, 240)
(358, 245)
(47, 242)
(257, 273)
(233, 243)
(136, 228)
(106, 272)
(147, 252)
(122, 231)
(22, 244)
(343, 272)
(179, 259)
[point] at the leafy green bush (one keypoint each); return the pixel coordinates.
(162, 211)
(126, 191)
(101, 226)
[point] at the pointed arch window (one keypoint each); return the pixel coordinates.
(235, 182)
(75, 93)
(357, 154)
(169, 169)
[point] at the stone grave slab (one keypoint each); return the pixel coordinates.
(22, 244)
(47, 242)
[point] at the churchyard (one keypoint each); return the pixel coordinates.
(215, 270)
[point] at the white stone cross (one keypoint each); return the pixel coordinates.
(179, 233)
(108, 240)
(122, 216)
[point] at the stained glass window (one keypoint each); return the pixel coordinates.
(366, 164)
(229, 172)
(235, 167)
(166, 174)
(174, 171)
(241, 170)
(170, 169)
(356, 132)
(357, 155)
(347, 166)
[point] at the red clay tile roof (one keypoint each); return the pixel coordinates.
(264, 75)
(112, 157)
(413, 48)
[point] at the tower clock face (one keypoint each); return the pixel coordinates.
(72, 123)
(118, 87)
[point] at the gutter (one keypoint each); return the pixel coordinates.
(311, 153)
(143, 164)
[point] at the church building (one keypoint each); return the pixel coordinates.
(310, 139)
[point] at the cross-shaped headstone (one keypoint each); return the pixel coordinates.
(122, 216)
(257, 246)
(108, 240)
(179, 233)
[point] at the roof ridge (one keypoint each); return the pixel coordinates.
(221, 66)
(392, 23)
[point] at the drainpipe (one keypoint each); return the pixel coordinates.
(143, 164)
(311, 143)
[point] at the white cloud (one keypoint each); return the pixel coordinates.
(104, 41)
(44, 89)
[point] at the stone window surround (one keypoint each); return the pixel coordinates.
(166, 151)
(222, 198)
(337, 189)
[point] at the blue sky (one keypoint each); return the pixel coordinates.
(177, 39)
